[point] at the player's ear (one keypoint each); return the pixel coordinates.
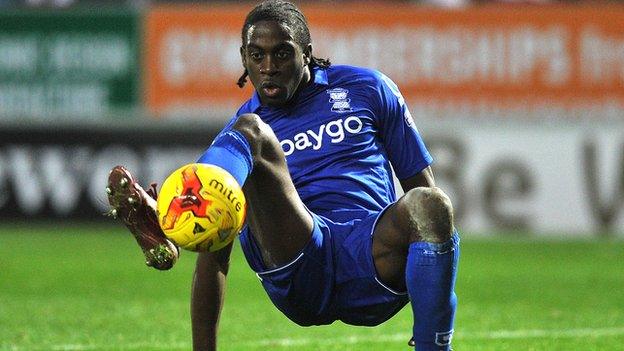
(242, 54)
(307, 54)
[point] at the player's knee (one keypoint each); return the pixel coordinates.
(251, 126)
(430, 214)
(254, 129)
(259, 135)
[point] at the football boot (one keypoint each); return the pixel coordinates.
(137, 210)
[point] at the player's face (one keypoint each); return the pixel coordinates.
(276, 64)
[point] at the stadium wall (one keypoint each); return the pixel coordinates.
(522, 107)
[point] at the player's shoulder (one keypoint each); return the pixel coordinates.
(355, 74)
(370, 82)
(246, 107)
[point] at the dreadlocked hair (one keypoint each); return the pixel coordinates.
(287, 14)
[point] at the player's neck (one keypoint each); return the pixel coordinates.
(306, 80)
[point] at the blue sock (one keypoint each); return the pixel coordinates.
(232, 152)
(430, 279)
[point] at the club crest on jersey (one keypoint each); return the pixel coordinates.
(339, 98)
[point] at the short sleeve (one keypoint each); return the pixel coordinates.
(402, 141)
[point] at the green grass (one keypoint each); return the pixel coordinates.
(85, 287)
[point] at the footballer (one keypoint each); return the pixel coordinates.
(312, 149)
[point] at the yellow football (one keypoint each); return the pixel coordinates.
(201, 207)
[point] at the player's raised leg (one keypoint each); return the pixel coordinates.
(416, 247)
(279, 221)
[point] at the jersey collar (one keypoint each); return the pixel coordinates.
(320, 78)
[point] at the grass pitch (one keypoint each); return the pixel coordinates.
(85, 287)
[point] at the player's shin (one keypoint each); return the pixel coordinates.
(230, 151)
(430, 278)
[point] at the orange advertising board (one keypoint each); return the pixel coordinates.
(503, 55)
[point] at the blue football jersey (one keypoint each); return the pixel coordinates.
(339, 135)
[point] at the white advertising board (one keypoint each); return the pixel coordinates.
(548, 179)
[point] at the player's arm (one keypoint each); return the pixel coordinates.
(423, 178)
(404, 146)
(207, 296)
